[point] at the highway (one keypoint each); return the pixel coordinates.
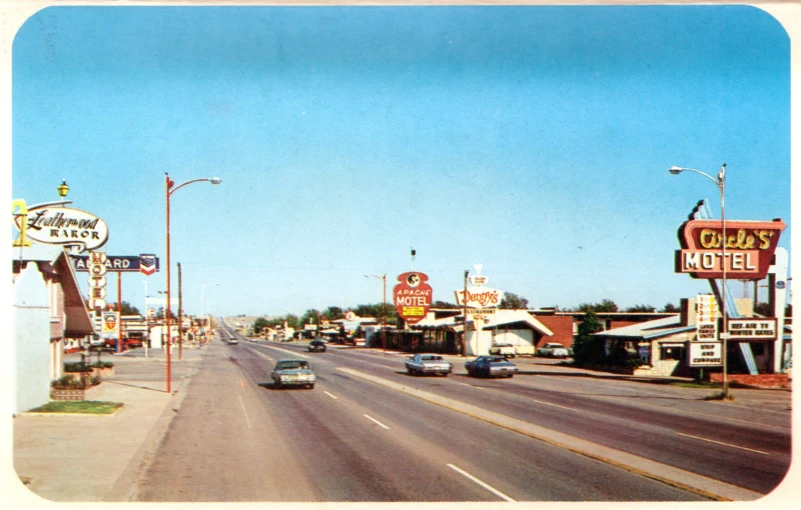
(351, 439)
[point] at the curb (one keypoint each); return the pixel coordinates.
(125, 488)
(692, 482)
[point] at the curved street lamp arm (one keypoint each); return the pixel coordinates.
(717, 182)
(190, 182)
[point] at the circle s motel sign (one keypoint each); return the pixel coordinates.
(412, 296)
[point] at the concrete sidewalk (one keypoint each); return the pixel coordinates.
(98, 458)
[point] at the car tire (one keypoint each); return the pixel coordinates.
(277, 385)
(311, 386)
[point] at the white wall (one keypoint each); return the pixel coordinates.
(31, 340)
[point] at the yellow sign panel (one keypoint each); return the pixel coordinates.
(414, 311)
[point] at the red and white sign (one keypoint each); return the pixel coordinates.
(412, 296)
(750, 246)
(479, 297)
(97, 280)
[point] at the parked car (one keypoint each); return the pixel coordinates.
(292, 372)
(505, 350)
(421, 364)
(232, 341)
(490, 366)
(553, 350)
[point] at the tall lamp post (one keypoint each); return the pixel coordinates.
(170, 188)
(202, 307)
(383, 309)
(720, 182)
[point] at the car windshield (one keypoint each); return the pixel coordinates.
(496, 359)
(292, 365)
(431, 358)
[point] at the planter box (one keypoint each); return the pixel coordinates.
(102, 372)
(91, 393)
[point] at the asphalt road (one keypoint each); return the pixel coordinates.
(235, 438)
(674, 426)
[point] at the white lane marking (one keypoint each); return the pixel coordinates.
(375, 421)
(241, 383)
(724, 444)
(471, 386)
(488, 487)
(555, 405)
(287, 351)
(330, 395)
(245, 411)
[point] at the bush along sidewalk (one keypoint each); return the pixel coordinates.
(69, 387)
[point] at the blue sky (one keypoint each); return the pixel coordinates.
(533, 140)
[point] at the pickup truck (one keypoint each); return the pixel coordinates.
(553, 350)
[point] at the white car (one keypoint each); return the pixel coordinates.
(553, 350)
(505, 350)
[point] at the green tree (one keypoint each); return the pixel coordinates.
(293, 321)
(310, 315)
(444, 305)
(333, 312)
(641, 309)
(512, 301)
(607, 305)
(127, 309)
(670, 308)
(260, 324)
(587, 349)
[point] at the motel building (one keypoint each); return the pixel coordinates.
(686, 345)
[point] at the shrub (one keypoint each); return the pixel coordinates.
(76, 367)
(67, 382)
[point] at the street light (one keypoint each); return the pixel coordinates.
(202, 300)
(383, 309)
(724, 335)
(170, 188)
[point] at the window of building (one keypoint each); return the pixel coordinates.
(672, 352)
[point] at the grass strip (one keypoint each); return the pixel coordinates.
(79, 407)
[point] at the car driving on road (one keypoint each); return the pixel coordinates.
(316, 346)
(421, 364)
(292, 372)
(490, 366)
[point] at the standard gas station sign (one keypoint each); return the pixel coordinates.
(119, 263)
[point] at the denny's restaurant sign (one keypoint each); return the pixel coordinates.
(749, 248)
(412, 296)
(63, 225)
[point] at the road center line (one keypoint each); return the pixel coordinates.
(244, 410)
(724, 444)
(479, 482)
(288, 351)
(375, 421)
(332, 396)
(554, 405)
